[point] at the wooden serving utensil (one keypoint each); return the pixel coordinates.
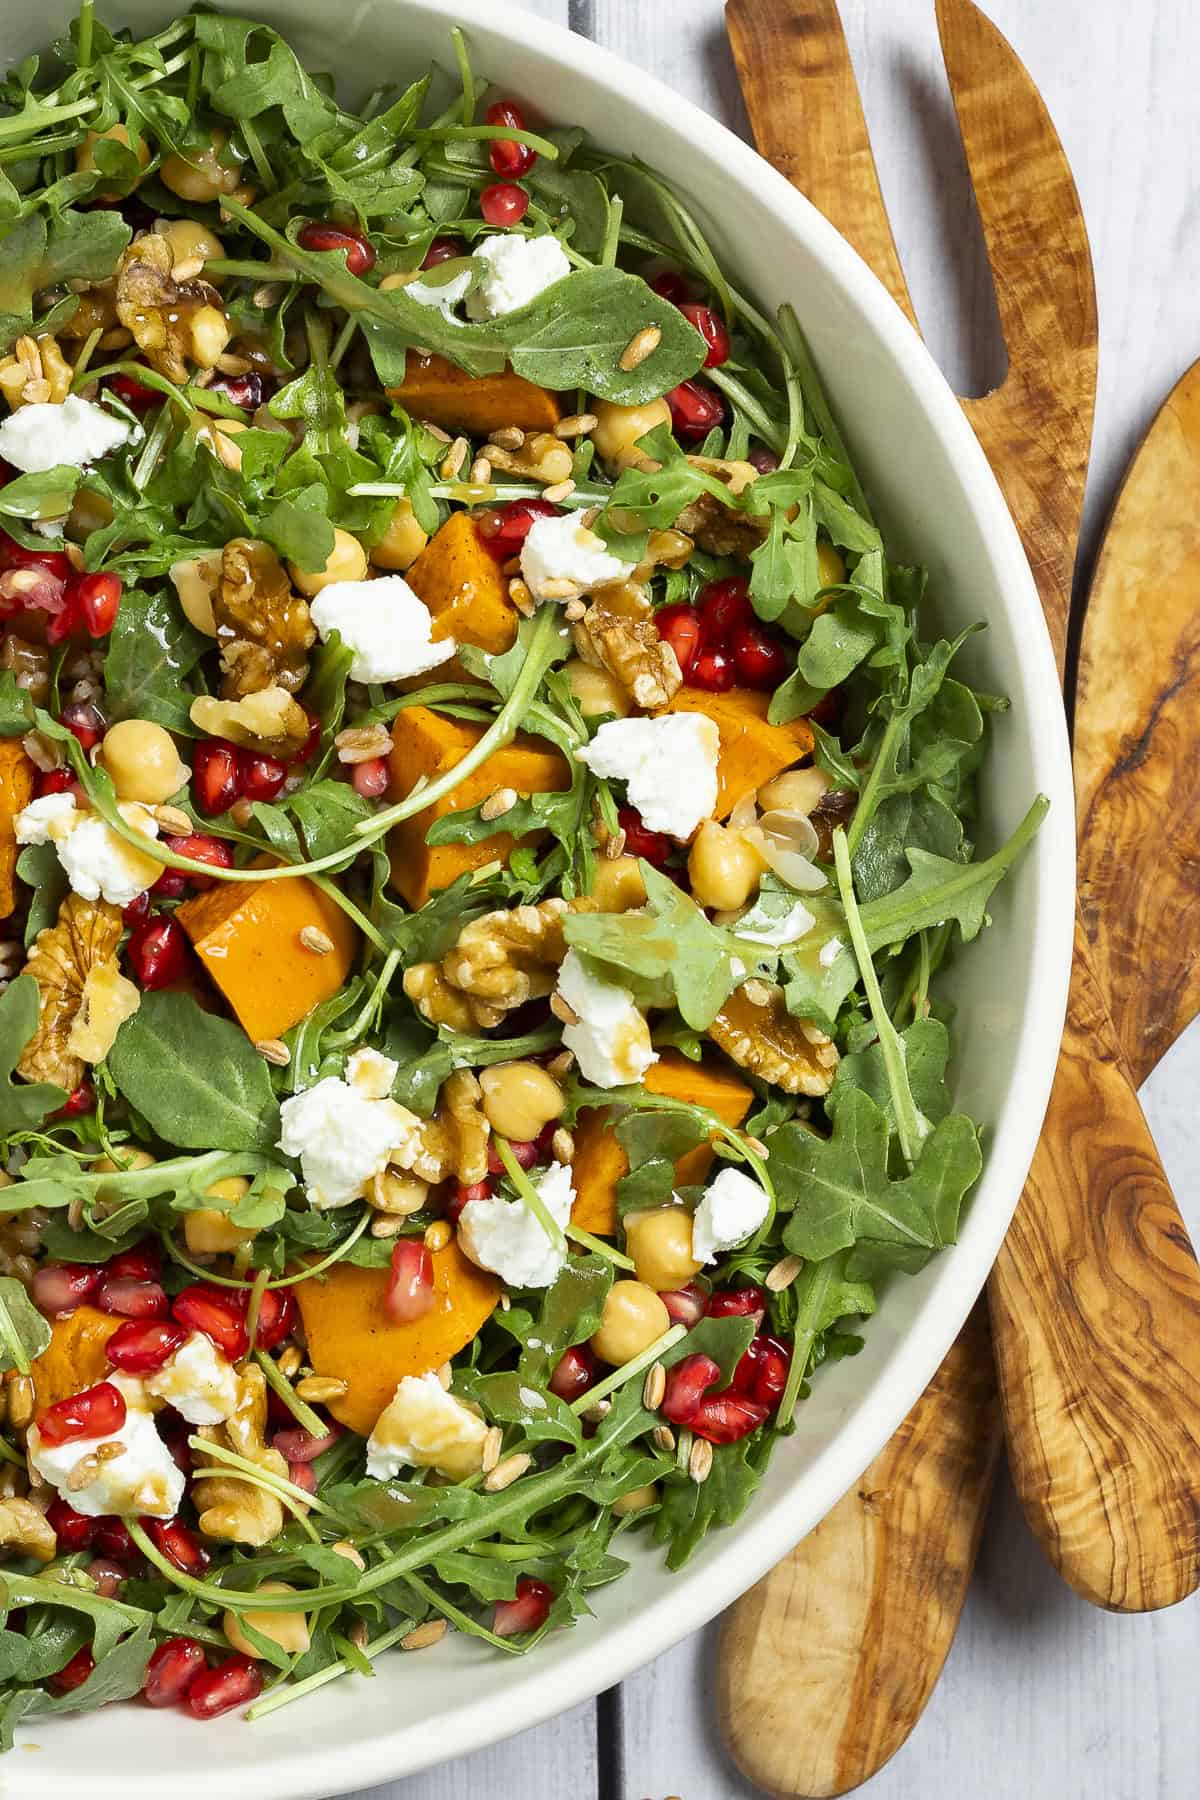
(815, 1698)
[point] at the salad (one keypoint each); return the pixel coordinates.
(480, 826)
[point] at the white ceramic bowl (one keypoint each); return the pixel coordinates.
(940, 505)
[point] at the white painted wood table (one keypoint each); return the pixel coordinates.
(1043, 1698)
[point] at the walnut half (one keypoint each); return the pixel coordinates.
(263, 628)
(174, 323)
(632, 651)
(64, 959)
(756, 1031)
(499, 962)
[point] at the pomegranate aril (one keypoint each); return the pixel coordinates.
(199, 846)
(215, 774)
(507, 157)
(132, 1299)
(670, 285)
(360, 256)
(171, 1671)
(762, 459)
(235, 1682)
(300, 1446)
(574, 1372)
(410, 1292)
(711, 328)
(714, 671)
(113, 1540)
(443, 249)
(655, 846)
(137, 910)
(685, 1305)
(464, 1193)
(141, 1262)
(16, 556)
(85, 722)
(171, 885)
(725, 606)
(724, 1418)
(303, 1475)
(761, 660)
(687, 1383)
(739, 1303)
(143, 1345)
(370, 779)
(107, 1576)
(276, 1317)
(59, 1288)
(503, 204)
(73, 1530)
(247, 391)
(98, 598)
(180, 1545)
(528, 1612)
(96, 1412)
(761, 1374)
(75, 1673)
(525, 1151)
(216, 1313)
(260, 777)
(509, 525)
(680, 625)
(158, 952)
(695, 410)
(57, 781)
(79, 1101)
(137, 396)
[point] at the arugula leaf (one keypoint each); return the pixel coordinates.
(23, 1105)
(196, 1078)
(39, 867)
(151, 653)
(44, 494)
(24, 1332)
(691, 1509)
(569, 1313)
(16, 707)
(926, 1052)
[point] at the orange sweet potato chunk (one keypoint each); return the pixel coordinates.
(350, 1335)
(16, 791)
(247, 936)
(434, 389)
(425, 743)
(599, 1161)
(752, 751)
(74, 1358)
(461, 584)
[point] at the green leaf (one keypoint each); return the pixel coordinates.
(39, 867)
(569, 1313)
(16, 707)
(24, 1332)
(44, 494)
(926, 1052)
(511, 1399)
(151, 653)
(197, 1079)
(24, 1105)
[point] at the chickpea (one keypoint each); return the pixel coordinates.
(633, 1317)
(617, 885)
(595, 690)
(723, 868)
(200, 176)
(637, 1500)
(195, 581)
(130, 1160)
(210, 1230)
(287, 1629)
(831, 565)
(397, 1194)
(402, 542)
(85, 155)
(347, 561)
(519, 1098)
(549, 456)
(189, 239)
(210, 334)
(618, 429)
(660, 1243)
(143, 762)
(799, 791)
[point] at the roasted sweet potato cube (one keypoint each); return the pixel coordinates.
(74, 1358)
(16, 791)
(599, 1161)
(425, 743)
(461, 584)
(247, 936)
(434, 389)
(752, 751)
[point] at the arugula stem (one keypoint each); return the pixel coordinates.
(352, 912)
(629, 1370)
(300, 1410)
(714, 1126)
(745, 401)
(869, 795)
(284, 1695)
(529, 1194)
(465, 74)
(432, 134)
(86, 20)
(598, 1247)
(278, 1484)
(470, 1627)
(306, 1274)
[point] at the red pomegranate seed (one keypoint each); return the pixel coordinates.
(695, 409)
(714, 671)
(73, 1530)
(528, 1612)
(132, 1299)
(141, 1262)
(85, 722)
(739, 1303)
(260, 777)
(761, 660)
(276, 1317)
(670, 285)
(686, 1305)
(79, 1101)
(98, 598)
(464, 1193)
(410, 1291)
(16, 556)
(137, 910)
(107, 1576)
(653, 845)
(525, 1151)
(59, 1288)
(137, 396)
(360, 256)
(303, 1475)
(96, 1412)
(680, 626)
(171, 1671)
(505, 528)
(443, 249)
(171, 885)
(724, 1418)
(574, 1372)
(370, 778)
(215, 774)
(712, 329)
(762, 1373)
(247, 391)
(216, 1313)
(725, 607)
(300, 1446)
(687, 1382)
(57, 781)
(113, 1540)
(504, 204)
(508, 158)
(143, 1345)
(235, 1682)
(178, 1544)
(158, 952)
(200, 847)
(762, 459)
(75, 1673)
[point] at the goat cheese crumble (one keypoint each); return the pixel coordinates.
(611, 1039)
(731, 1210)
(97, 863)
(343, 1138)
(384, 623)
(508, 1238)
(143, 1479)
(445, 295)
(198, 1382)
(560, 548)
(426, 1427)
(515, 271)
(669, 764)
(68, 433)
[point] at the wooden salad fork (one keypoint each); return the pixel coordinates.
(826, 1665)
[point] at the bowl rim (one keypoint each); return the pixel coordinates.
(623, 1646)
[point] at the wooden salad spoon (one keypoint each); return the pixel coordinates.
(826, 1665)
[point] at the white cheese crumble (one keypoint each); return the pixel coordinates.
(144, 1478)
(98, 864)
(343, 1139)
(515, 271)
(507, 1237)
(371, 1074)
(384, 623)
(445, 296)
(731, 1210)
(561, 549)
(72, 432)
(796, 923)
(198, 1382)
(425, 1427)
(669, 764)
(829, 953)
(611, 1040)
